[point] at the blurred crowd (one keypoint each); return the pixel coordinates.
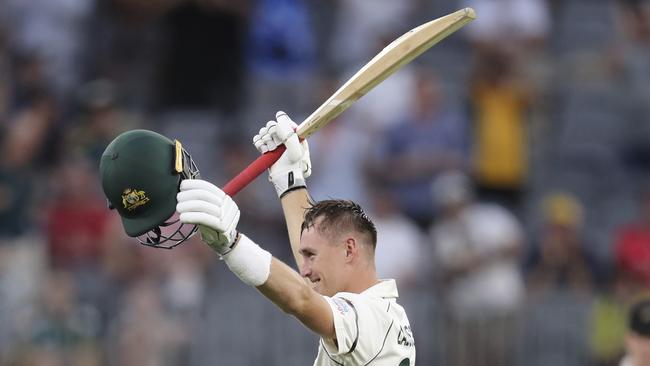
(507, 170)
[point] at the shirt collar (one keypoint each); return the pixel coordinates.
(384, 288)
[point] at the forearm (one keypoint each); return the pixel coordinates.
(288, 174)
(280, 284)
(294, 204)
(286, 289)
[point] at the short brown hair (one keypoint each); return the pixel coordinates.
(339, 216)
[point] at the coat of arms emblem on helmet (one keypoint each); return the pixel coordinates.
(132, 198)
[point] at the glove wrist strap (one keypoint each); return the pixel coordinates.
(289, 181)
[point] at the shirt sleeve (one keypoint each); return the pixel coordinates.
(346, 326)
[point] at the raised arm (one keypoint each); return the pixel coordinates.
(291, 293)
(216, 214)
(294, 205)
(288, 174)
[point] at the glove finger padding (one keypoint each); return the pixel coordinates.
(286, 131)
(286, 126)
(290, 171)
(198, 206)
(306, 159)
(272, 130)
(203, 204)
(259, 144)
(268, 141)
(232, 215)
(189, 184)
(197, 195)
(204, 219)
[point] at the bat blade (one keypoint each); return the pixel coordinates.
(397, 54)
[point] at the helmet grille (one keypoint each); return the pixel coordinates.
(173, 232)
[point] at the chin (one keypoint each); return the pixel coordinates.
(319, 289)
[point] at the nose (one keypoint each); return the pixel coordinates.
(305, 269)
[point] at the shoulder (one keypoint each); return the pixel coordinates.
(344, 302)
(364, 323)
(369, 311)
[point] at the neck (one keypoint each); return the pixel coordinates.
(363, 280)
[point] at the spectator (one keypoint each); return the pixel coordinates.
(202, 60)
(476, 248)
(360, 26)
(130, 49)
(281, 58)
(76, 218)
(361, 29)
(341, 152)
(631, 63)
(609, 320)
(560, 262)
(101, 119)
(62, 330)
(27, 81)
(637, 340)
(399, 252)
(632, 58)
(144, 333)
(628, 278)
(632, 247)
(499, 103)
(54, 32)
(24, 149)
(429, 140)
(514, 23)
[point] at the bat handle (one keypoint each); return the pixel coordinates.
(253, 170)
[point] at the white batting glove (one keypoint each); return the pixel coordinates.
(214, 212)
(290, 171)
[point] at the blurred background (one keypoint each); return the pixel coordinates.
(506, 169)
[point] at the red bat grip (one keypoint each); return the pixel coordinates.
(253, 170)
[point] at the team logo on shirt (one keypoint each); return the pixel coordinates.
(405, 336)
(341, 305)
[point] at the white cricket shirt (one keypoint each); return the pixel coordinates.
(371, 329)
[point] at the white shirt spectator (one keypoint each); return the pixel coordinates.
(386, 104)
(399, 248)
(338, 153)
(480, 229)
(510, 19)
(360, 25)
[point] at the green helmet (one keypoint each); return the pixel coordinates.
(141, 172)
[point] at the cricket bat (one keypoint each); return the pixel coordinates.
(397, 54)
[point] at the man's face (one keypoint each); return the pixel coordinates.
(639, 349)
(323, 262)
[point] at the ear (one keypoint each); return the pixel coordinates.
(351, 249)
